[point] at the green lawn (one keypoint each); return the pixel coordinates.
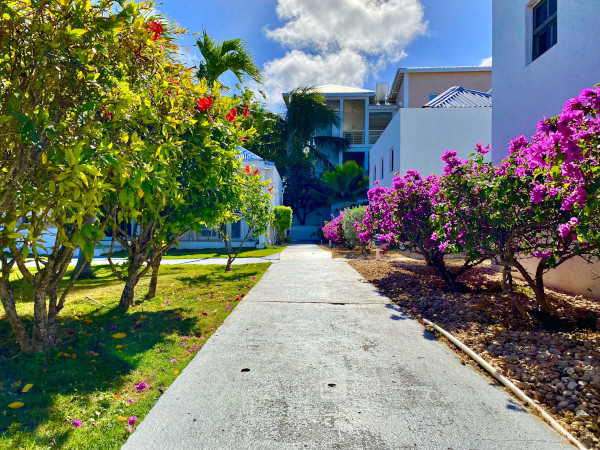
(91, 375)
(213, 253)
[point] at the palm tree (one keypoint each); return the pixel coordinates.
(306, 113)
(220, 57)
(344, 184)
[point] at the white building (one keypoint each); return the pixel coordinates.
(209, 238)
(440, 108)
(544, 52)
(363, 116)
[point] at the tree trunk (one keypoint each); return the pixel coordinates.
(44, 324)
(154, 278)
(8, 302)
(507, 287)
(127, 296)
(87, 272)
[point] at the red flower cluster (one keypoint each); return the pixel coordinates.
(204, 103)
(156, 29)
(247, 169)
(106, 113)
(232, 114)
(245, 113)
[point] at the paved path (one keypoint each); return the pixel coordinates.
(332, 364)
(201, 261)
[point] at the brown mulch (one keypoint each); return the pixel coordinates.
(555, 362)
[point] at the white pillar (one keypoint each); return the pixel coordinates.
(366, 132)
(341, 155)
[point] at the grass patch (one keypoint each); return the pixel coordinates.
(212, 253)
(91, 376)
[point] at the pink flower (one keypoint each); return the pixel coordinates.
(143, 385)
(131, 401)
(112, 326)
(173, 360)
(129, 428)
(197, 298)
(183, 344)
(76, 423)
(254, 278)
(228, 307)
(132, 420)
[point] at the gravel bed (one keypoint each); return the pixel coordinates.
(555, 363)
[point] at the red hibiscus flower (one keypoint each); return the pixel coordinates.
(231, 115)
(247, 169)
(255, 172)
(204, 103)
(245, 113)
(270, 189)
(156, 29)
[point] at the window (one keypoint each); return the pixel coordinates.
(375, 172)
(545, 27)
(382, 166)
(392, 159)
(432, 96)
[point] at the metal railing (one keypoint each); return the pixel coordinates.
(374, 135)
(355, 137)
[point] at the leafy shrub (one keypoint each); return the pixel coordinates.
(282, 221)
(351, 217)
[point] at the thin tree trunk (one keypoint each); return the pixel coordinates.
(127, 296)
(8, 302)
(507, 287)
(154, 278)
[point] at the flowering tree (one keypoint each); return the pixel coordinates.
(66, 72)
(185, 172)
(541, 201)
(402, 215)
(253, 207)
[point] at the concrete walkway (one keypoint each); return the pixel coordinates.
(315, 358)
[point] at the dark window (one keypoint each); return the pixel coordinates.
(382, 167)
(375, 172)
(236, 230)
(545, 27)
(392, 159)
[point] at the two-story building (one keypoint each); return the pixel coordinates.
(363, 116)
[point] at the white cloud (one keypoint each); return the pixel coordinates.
(298, 68)
(486, 62)
(339, 41)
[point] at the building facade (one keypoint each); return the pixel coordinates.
(544, 53)
(439, 108)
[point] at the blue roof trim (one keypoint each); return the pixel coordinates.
(247, 155)
(459, 97)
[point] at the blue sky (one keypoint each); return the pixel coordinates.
(350, 42)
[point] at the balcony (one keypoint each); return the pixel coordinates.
(354, 137)
(374, 135)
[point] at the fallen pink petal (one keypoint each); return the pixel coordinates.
(143, 385)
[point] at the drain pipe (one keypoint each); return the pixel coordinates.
(506, 382)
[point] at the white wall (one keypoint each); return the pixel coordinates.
(421, 135)
(525, 91)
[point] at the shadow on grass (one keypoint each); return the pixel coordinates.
(98, 367)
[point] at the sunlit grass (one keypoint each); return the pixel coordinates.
(213, 253)
(90, 375)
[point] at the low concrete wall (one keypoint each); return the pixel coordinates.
(304, 232)
(576, 276)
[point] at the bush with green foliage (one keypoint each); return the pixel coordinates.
(282, 221)
(351, 217)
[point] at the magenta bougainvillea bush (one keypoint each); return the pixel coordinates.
(541, 201)
(333, 230)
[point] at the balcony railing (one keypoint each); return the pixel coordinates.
(354, 137)
(374, 135)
